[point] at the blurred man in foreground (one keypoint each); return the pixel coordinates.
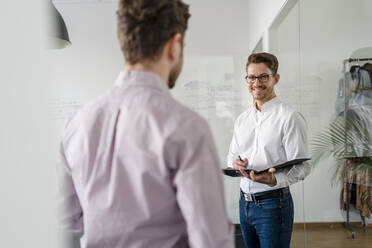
(139, 169)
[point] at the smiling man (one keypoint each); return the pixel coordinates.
(267, 134)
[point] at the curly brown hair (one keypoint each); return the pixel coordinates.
(267, 58)
(144, 26)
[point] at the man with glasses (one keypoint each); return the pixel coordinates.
(267, 134)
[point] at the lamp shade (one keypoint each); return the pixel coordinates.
(57, 32)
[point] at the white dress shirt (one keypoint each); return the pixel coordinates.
(140, 170)
(272, 136)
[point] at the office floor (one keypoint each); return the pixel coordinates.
(325, 235)
(332, 236)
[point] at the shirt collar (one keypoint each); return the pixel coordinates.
(268, 106)
(143, 78)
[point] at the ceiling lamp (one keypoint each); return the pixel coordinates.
(57, 32)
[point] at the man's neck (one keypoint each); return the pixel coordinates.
(259, 104)
(156, 68)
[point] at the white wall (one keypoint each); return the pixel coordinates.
(218, 27)
(261, 14)
(27, 174)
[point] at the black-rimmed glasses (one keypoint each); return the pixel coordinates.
(264, 78)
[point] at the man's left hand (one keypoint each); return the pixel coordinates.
(267, 177)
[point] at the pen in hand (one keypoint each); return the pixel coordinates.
(240, 158)
(246, 170)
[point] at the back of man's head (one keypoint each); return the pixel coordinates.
(144, 26)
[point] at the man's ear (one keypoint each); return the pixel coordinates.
(175, 46)
(277, 77)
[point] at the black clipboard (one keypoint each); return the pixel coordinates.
(233, 172)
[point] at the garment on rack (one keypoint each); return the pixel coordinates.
(357, 79)
(359, 110)
(357, 188)
(368, 68)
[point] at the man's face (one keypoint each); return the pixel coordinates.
(263, 88)
(175, 71)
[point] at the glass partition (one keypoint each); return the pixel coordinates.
(330, 33)
(283, 40)
(314, 43)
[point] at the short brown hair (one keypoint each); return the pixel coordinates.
(144, 26)
(267, 58)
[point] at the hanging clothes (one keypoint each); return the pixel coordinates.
(357, 187)
(356, 80)
(356, 89)
(368, 67)
(358, 96)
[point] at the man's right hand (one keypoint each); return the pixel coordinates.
(240, 165)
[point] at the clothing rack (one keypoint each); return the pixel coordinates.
(350, 60)
(347, 223)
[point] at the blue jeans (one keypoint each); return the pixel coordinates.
(267, 223)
